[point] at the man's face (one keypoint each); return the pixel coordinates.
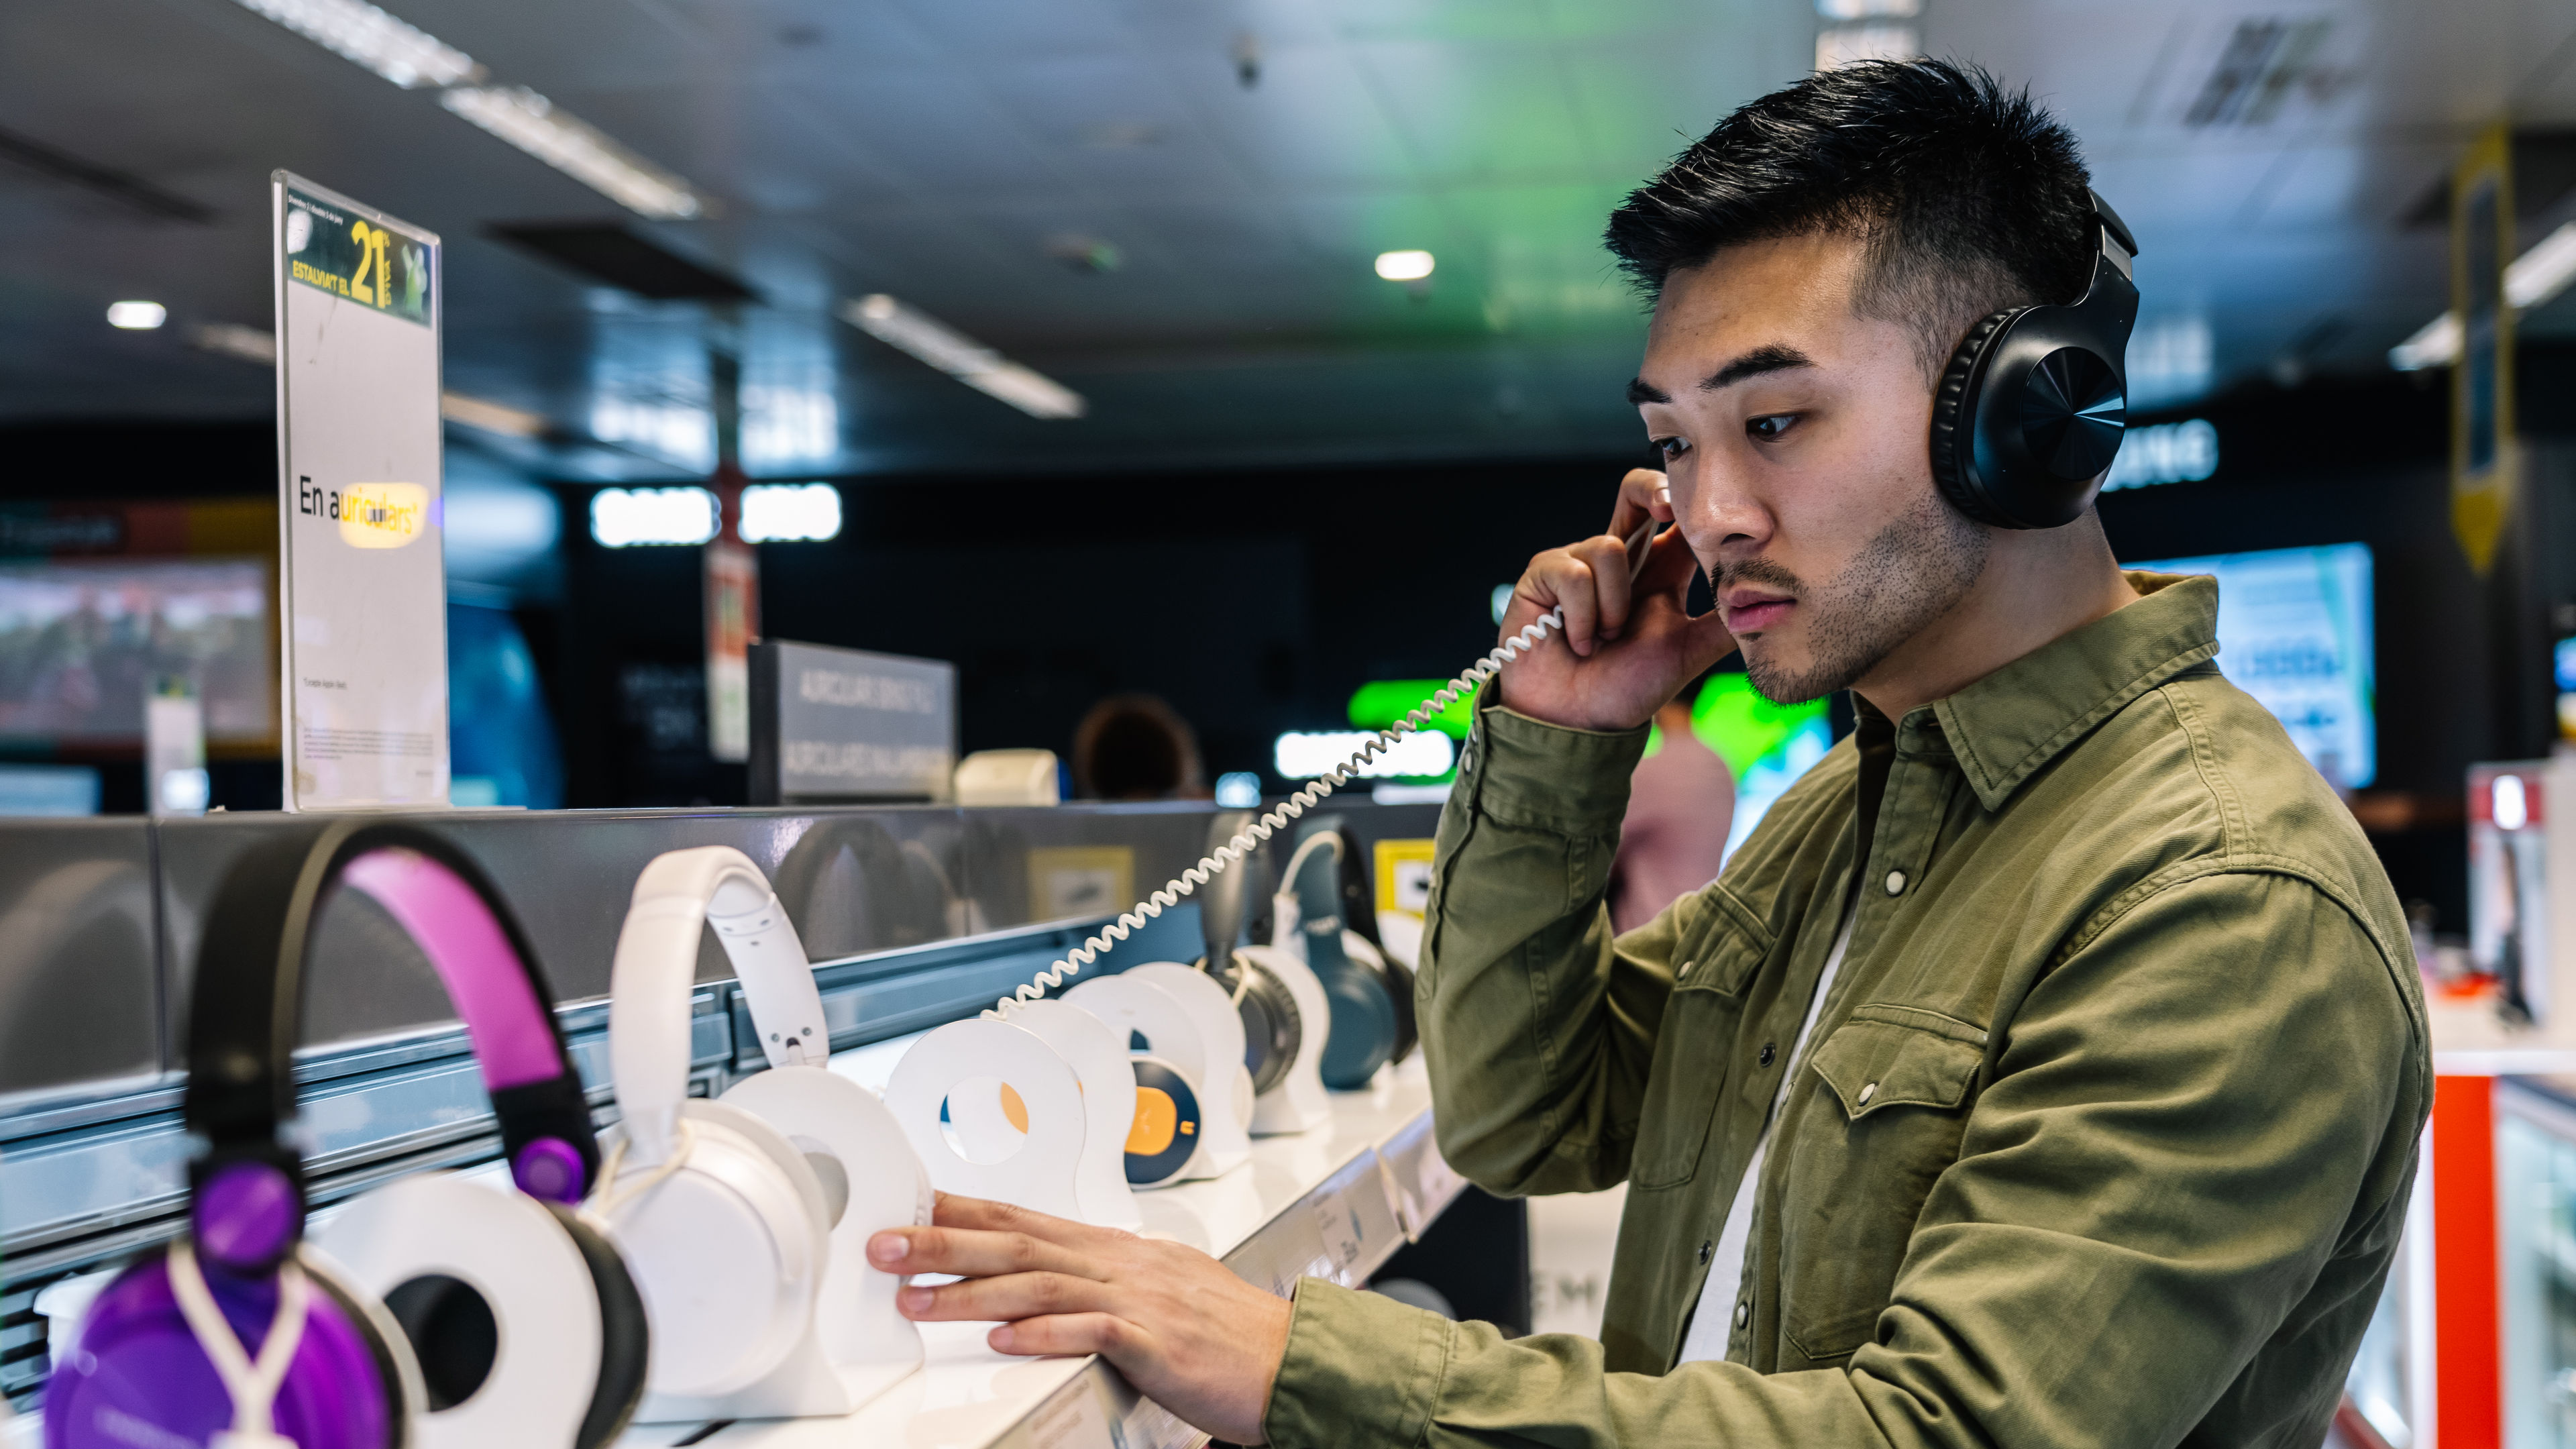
(1797, 436)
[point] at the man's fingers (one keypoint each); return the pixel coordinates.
(1607, 558)
(1557, 578)
(975, 1253)
(1067, 1333)
(1644, 494)
(955, 1210)
(1008, 1298)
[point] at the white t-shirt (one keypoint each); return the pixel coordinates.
(1714, 1319)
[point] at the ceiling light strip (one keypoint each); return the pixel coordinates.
(413, 58)
(576, 148)
(2534, 277)
(355, 30)
(962, 357)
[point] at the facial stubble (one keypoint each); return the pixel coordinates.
(1912, 572)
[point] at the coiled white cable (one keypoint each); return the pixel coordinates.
(1251, 836)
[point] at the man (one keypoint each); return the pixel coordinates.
(2047, 1067)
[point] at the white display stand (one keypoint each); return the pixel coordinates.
(1098, 1057)
(1335, 1204)
(1035, 1169)
(865, 1343)
(1199, 1043)
(1297, 1103)
(362, 578)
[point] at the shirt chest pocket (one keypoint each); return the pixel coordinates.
(1691, 1047)
(1880, 1124)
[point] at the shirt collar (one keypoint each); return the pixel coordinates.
(2007, 726)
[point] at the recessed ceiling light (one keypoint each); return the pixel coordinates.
(137, 316)
(1406, 266)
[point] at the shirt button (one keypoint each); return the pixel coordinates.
(1896, 882)
(1743, 1314)
(1684, 973)
(1703, 1254)
(1868, 1090)
(1766, 1055)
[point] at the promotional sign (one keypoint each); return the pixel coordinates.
(845, 724)
(362, 583)
(2482, 434)
(732, 573)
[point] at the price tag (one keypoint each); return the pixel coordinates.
(1073, 1419)
(1440, 1181)
(1340, 1229)
(1151, 1426)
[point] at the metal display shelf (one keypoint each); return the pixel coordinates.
(914, 915)
(1334, 1203)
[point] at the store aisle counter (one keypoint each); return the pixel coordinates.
(1333, 1203)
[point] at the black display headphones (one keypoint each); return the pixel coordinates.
(1273, 1028)
(2030, 411)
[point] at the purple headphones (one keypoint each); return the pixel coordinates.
(237, 1336)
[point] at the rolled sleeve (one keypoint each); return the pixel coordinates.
(1537, 1026)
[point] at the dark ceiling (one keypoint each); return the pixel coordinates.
(1170, 206)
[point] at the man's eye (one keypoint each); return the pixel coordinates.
(1769, 426)
(1672, 448)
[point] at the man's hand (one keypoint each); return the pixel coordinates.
(1629, 645)
(1185, 1331)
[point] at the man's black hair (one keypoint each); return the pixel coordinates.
(1969, 198)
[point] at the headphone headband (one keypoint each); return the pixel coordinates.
(246, 1011)
(657, 957)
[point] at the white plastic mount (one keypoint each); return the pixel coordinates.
(1297, 1102)
(1036, 1169)
(1188, 1020)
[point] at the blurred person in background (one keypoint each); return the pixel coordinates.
(1135, 747)
(1681, 803)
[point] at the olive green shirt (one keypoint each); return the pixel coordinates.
(2103, 1136)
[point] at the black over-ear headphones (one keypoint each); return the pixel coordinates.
(2030, 411)
(1273, 1029)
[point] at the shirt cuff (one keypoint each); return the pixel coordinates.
(1525, 772)
(1361, 1368)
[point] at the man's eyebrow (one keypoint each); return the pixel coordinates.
(1641, 391)
(1773, 357)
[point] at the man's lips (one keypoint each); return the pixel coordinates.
(1751, 613)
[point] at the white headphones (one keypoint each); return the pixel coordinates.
(720, 1216)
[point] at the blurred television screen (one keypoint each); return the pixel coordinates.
(2294, 631)
(83, 641)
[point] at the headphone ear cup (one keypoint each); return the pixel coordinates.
(625, 1338)
(1272, 1026)
(384, 1334)
(1363, 1035)
(139, 1360)
(1168, 1124)
(1399, 988)
(1954, 413)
